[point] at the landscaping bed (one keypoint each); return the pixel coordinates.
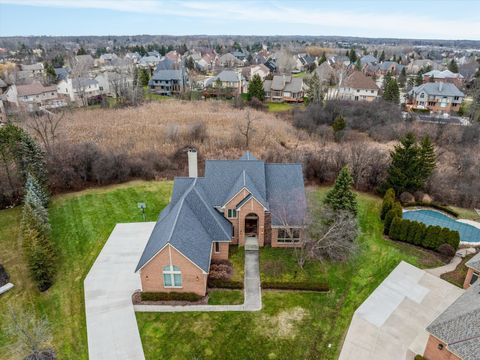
(159, 298)
(457, 277)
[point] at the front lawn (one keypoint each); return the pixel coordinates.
(81, 224)
(225, 297)
(290, 325)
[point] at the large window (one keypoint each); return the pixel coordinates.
(288, 235)
(232, 213)
(474, 278)
(172, 276)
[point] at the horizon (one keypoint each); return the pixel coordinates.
(430, 21)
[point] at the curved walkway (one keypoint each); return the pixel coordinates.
(452, 265)
(112, 329)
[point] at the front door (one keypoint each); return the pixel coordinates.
(251, 225)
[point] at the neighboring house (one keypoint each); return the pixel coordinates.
(33, 96)
(236, 202)
(443, 76)
(133, 56)
(84, 62)
(108, 59)
(229, 60)
(62, 73)
(368, 59)
(357, 87)
(473, 272)
(252, 70)
(168, 82)
(240, 55)
(79, 89)
(391, 67)
(111, 83)
(228, 79)
(165, 64)
(455, 333)
(284, 88)
(416, 65)
(437, 97)
(33, 71)
(149, 62)
(326, 73)
(306, 61)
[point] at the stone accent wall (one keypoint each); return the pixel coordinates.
(223, 253)
(432, 352)
(193, 278)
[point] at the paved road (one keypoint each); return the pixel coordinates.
(111, 324)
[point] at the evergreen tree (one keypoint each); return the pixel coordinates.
(402, 78)
(322, 59)
(341, 197)
(419, 78)
(339, 124)
(387, 204)
(143, 77)
(382, 56)
(190, 63)
(353, 56)
(392, 92)
(33, 188)
(452, 66)
(50, 73)
(428, 158)
(81, 51)
(32, 160)
(255, 88)
(395, 211)
(358, 65)
(314, 89)
(395, 227)
(35, 232)
(404, 173)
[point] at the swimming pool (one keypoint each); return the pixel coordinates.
(468, 233)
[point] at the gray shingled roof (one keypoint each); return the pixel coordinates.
(167, 75)
(474, 262)
(191, 222)
(459, 325)
(228, 76)
(440, 89)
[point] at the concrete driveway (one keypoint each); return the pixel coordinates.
(111, 324)
(391, 323)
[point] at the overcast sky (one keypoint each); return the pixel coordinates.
(435, 19)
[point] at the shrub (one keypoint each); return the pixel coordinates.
(223, 284)
(388, 201)
(420, 232)
(395, 211)
(170, 296)
(395, 227)
(419, 357)
(305, 286)
(406, 198)
(220, 271)
(446, 249)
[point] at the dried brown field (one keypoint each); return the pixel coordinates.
(166, 126)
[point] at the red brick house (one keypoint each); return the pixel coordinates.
(455, 333)
(235, 202)
(473, 272)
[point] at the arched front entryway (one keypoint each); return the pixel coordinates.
(251, 225)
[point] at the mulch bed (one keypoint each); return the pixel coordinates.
(136, 299)
(4, 278)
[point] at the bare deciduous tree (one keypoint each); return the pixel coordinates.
(247, 129)
(30, 335)
(46, 127)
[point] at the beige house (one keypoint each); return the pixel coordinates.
(236, 202)
(284, 88)
(33, 96)
(441, 97)
(357, 87)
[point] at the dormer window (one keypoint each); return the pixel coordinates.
(231, 213)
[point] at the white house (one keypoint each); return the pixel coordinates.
(33, 96)
(79, 89)
(357, 87)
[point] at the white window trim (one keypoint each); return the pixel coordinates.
(287, 240)
(171, 272)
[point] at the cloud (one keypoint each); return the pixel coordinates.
(283, 16)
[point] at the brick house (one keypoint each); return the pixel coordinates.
(436, 97)
(444, 76)
(455, 333)
(473, 272)
(235, 202)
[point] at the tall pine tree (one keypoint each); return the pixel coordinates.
(341, 197)
(391, 92)
(428, 158)
(255, 88)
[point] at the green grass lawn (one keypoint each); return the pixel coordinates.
(81, 224)
(457, 277)
(152, 96)
(225, 297)
(290, 325)
(281, 107)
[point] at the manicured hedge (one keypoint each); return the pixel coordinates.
(430, 237)
(306, 286)
(224, 284)
(388, 202)
(395, 211)
(171, 296)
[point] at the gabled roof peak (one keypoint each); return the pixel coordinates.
(247, 155)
